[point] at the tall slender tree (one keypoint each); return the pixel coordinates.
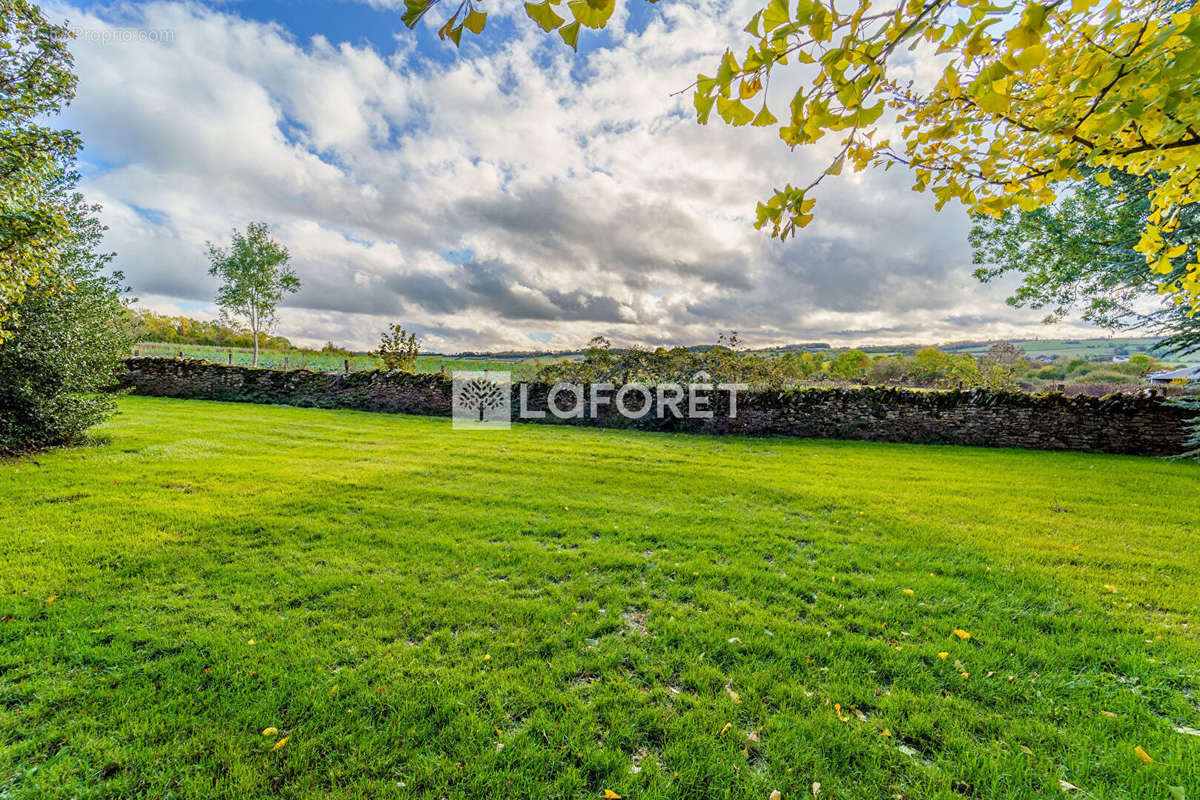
(254, 277)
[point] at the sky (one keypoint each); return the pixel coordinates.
(510, 194)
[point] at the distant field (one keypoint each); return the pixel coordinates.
(236, 601)
(320, 362)
(1099, 349)
(1091, 349)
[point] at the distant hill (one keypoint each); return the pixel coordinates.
(146, 326)
(1098, 349)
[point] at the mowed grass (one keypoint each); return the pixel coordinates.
(553, 612)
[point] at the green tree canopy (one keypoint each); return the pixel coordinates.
(254, 278)
(1079, 256)
(65, 343)
(36, 83)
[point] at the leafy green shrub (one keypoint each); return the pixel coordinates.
(722, 363)
(1137, 366)
(66, 348)
(1105, 376)
(398, 349)
(1079, 366)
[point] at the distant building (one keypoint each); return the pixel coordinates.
(1120, 359)
(1185, 374)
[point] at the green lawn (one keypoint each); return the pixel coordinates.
(554, 612)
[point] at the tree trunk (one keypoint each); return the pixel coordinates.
(254, 332)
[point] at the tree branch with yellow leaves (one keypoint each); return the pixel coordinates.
(1031, 95)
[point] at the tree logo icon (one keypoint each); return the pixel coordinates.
(482, 400)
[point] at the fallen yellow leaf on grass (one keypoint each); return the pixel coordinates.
(776, 795)
(280, 743)
(1110, 587)
(1109, 714)
(270, 731)
(943, 656)
(1026, 750)
(816, 788)
(609, 794)
(725, 730)
(909, 592)
(251, 642)
(51, 598)
(960, 633)
(1143, 755)
(837, 707)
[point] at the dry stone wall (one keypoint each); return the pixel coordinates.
(1113, 424)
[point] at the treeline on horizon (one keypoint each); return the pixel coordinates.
(149, 326)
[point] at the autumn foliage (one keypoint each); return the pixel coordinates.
(1030, 95)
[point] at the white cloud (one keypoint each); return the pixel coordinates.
(497, 201)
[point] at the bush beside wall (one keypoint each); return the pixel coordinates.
(1113, 424)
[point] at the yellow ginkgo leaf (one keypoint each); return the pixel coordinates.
(909, 592)
(1026, 750)
(609, 794)
(725, 730)
(279, 745)
(960, 633)
(1143, 755)
(943, 656)
(270, 731)
(51, 598)
(251, 642)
